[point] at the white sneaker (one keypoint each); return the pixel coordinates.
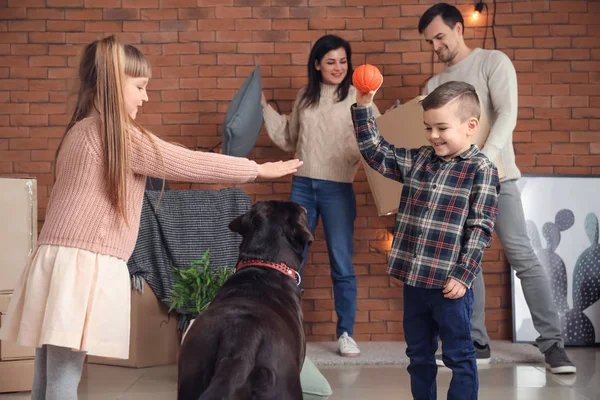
(348, 347)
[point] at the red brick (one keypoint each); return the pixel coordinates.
(570, 77)
(533, 148)
(120, 14)
(65, 26)
(382, 34)
(569, 124)
(550, 18)
(585, 66)
(28, 97)
(195, 13)
(586, 112)
(570, 148)
(177, 3)
(47, 37)
(26, 26)
(14, 132)
(552, 113)
(13, 13)
(571, 54)
(551, 90)
(142, 26)
(178, 25)
(584, 42)
(402, 22)
(530, 30)
(553, 43)
(72, 15)
(533, 6)
(533, 54)
(102, 3)
(104, 26)
(570, 101)
(65, 3)
(546, 160)
(591, 161)
(568, 30)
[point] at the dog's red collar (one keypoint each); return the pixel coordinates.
(281, 267)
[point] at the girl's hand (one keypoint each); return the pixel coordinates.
(263, 100)
(278, 169)
(454, 289)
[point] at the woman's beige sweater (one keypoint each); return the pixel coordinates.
(321, 136)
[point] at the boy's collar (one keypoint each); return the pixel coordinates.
(465, 155)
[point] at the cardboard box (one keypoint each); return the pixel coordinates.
(16, 376)
(404, 127)
(154, 340)
(18, 228)
(10, 350)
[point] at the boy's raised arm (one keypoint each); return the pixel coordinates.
(391, 162)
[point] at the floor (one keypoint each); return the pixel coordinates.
(497, 381)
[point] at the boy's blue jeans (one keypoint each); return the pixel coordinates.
(335, 202)
(428, 313)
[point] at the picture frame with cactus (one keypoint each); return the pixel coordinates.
(562, 214)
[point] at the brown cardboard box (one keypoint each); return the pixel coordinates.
(18, 228)
(11, 350)
(154, 339)
(403, 127)
(16, 376)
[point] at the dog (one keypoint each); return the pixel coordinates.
(249, 343)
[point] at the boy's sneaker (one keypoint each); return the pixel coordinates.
(483, 355)
(348, 347)
(558, 362)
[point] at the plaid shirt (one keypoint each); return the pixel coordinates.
(447, 210)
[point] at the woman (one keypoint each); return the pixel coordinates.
(320, 131)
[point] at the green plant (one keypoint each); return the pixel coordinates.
(196, 285)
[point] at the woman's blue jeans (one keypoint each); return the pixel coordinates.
(335, 203)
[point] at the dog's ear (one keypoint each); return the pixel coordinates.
(306, 235)
(298, 228)
(240, 224)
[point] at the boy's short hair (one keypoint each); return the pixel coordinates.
(463, 92)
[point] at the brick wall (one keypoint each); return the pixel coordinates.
(203, 49)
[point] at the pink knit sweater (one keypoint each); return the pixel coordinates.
(80, 213)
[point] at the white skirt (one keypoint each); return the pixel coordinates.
(72, 298)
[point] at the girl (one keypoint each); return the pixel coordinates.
(321, 133)
(75, 292)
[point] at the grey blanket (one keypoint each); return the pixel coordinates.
(186, 224)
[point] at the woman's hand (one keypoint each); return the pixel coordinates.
(263, 100)
(278, 169)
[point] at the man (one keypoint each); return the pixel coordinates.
(495, 79)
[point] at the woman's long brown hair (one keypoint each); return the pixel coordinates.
(102, 69)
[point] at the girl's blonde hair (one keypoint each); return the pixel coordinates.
(102, 69)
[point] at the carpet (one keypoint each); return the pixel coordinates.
(393, 353)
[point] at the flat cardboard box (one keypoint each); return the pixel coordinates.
(16, 376)
(154, 340)
(404, 127)
(18, 228)
(10, 350)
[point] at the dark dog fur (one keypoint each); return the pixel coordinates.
(249, 343)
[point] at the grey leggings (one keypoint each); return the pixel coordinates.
(57, 373)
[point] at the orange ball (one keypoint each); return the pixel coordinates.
(367, 78)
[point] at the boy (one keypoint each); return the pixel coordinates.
(445, 220)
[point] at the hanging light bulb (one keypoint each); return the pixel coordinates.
(478, 10)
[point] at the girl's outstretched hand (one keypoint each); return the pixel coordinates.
(278, 169)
